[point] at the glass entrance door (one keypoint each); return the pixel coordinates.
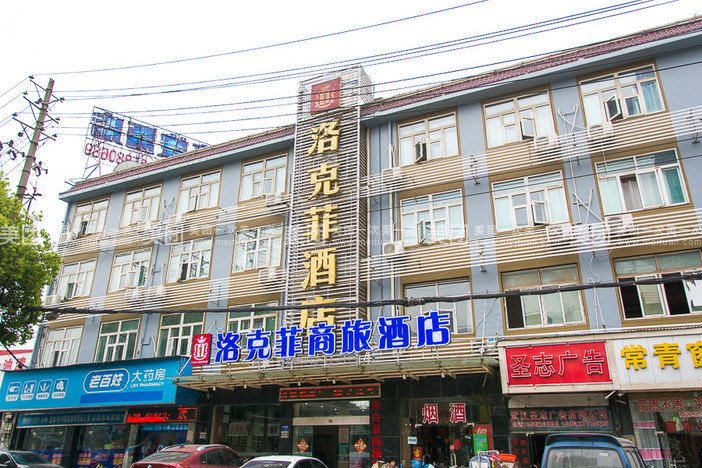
(338, 446)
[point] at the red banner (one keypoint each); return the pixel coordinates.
(573, 363)
(201, 350)
(326, 96)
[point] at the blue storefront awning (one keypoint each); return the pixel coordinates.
(123, 383)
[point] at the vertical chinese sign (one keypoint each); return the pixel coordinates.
(327, 215)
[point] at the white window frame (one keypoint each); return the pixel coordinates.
(272, 173)
(252, 246)
(660, 288)
(89, 218)
(143, 207)
(196, 254)
(447, 307)
(614, 93)
(523, 115)
(130, 269)
(116, 346)
(424, 138)
(81, 279)
(528, 188)
(541, 298)
(251, 317)
(196, 194)
(603, 173)
(57, 349)
(177, 339)
(425, 231)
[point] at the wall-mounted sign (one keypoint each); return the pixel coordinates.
(162, 415)
(557, 364)
(411, 440)
(21, 359)
(335, 392)
(325, 96)
(201, 349)
(560, 419)
(70, 419)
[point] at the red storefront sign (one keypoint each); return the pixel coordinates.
(326, 96)
(201, 350)
(573, 363)
(162, 415)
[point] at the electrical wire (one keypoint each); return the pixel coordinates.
(20, 364)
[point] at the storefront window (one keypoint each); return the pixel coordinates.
(46, 441)
(154, 437)
(252, 430)
(102, 445)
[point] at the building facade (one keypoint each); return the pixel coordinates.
(466, 267)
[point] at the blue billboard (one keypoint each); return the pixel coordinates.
(139, 382)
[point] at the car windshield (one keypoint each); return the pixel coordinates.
(28, 458)
(167, 456)
(570, 457)
(266, 464)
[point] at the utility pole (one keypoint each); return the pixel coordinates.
(34, 144)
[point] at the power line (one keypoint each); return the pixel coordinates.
(20, 364)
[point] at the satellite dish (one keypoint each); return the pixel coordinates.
(125, 165)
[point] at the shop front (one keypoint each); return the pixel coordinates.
(96, 414)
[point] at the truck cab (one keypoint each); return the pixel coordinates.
(589, 451)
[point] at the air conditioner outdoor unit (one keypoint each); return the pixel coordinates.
(547, 143)
(559, 234)
(52, 299)
(133, 294)
(268, 275)
(620, 226)
(600, 132)
(67, 237)
(393, 248)
(275, 199)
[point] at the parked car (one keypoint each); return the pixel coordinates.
(284, 461)
(23, 459)
(590, 450)
(191, 456)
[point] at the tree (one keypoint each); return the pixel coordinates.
(27, 264)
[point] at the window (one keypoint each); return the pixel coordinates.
(172, 144)
(520, 118)
(640, 182)
(141, 138)
(61, 346)
(107, 127)
(558, 308)
(461, 314)
(89, 218)
(176, 333)
(621, 95)
(263, 177)
(117, 340)
(242, 322)
(129, 269)
(432, 218)
(76, 279)
(428, 139)
(199, 192)
(141, 206)
(657, 300)
(189, 260)
(528, 201)
(258, 247)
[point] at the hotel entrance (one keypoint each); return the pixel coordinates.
(335, 432)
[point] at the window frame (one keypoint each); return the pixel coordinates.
(423, 137)
(146, 264)
(179, 276)
(253, 316)
(543, 311)
(112, 348)
(660, 288)
(622, 109)
(424, 308)
(528, 190)
(140, 137)
(107, 127)
(87, 282)
(262, 182)
(145, 204)
(637, 172)
(68, 348)
(181, 338)
(432, 219)
(211, 202)
(516, 110)
(270, 261)
(98, 216)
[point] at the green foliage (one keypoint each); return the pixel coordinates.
(27, 264)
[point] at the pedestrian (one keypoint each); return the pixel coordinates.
(378, 464)
(427, 461)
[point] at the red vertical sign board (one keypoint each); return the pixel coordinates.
(201, 350)
(326, 96)
(555, 364)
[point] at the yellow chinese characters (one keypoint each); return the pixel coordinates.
(325, 137)
(321, 268)
(327, 222)
(634, 356)
(667, 354)
(325, 180)
(323, 314)
(695, 350)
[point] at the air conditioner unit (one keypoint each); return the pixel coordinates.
(67, 237)
(393, 248)
(268, 275)
(52, 299)
(133, 295)
(620, 226)
(546, 144)
(559, 234)
(600, 132)
(275, 199)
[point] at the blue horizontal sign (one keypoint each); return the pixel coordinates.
(70, 419)
(110, 384)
